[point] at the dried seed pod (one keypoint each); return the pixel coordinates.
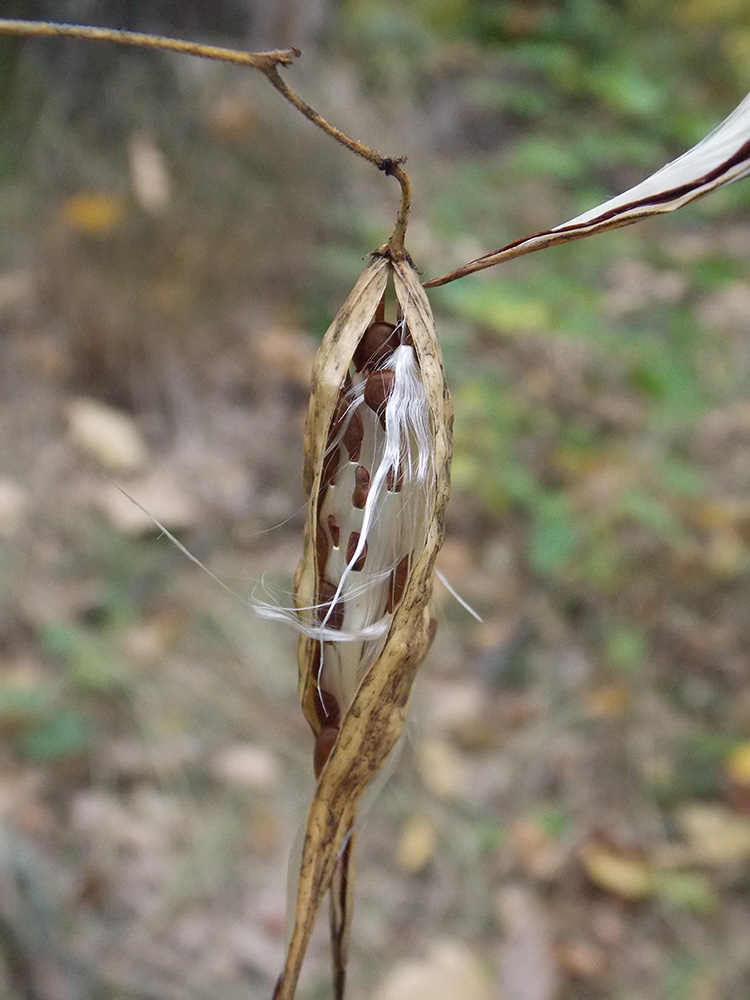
(375, 610)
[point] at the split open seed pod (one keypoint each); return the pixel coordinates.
(377, 475)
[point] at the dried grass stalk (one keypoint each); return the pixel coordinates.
(377, 459)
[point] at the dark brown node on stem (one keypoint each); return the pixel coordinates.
(389, 164)
(334, 529)
(361, 487)
(378, 388)
(397, 584)
(378, 342)
(351, 548)
(324, 743)
(328, 612)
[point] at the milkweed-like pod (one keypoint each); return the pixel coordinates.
(377, 455)
(377, 475)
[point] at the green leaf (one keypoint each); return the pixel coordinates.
(688, 890)
(554, 537)
(63, 735)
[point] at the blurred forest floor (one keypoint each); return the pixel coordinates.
(570, 817)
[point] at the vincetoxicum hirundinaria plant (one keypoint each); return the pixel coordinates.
(376, 476)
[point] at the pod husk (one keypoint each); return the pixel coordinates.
(375, 720)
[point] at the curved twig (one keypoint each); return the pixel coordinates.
(268, 63)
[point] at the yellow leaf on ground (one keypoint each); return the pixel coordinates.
(440, 768)
(625, 875)
(715, 835)
(417, 844)
(94, 213)
(738, 764)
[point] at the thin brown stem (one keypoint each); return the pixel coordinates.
(390, 166)
(267, 63)
(49, 29)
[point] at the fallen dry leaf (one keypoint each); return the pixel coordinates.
(448, 972)
(441, 769)
(107, 435)
(715, 836)
(159, 495)
(416, 845)
(738, 764)
(245, 766)
(624, 874)
(94, 213)
(737, 773)
(149, 174)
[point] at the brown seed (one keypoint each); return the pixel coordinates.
(397, 583)
(334, 613)
(331, 463)
(354, 429)
(333, 527)
(316, 661)
(322, 548)
(324, 742)
(394, 483)
(361, 487)
(351, 548)
(353, 435)
(378, 388)
(327, 708)
(378, 342)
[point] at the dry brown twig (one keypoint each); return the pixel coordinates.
(267, 63)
